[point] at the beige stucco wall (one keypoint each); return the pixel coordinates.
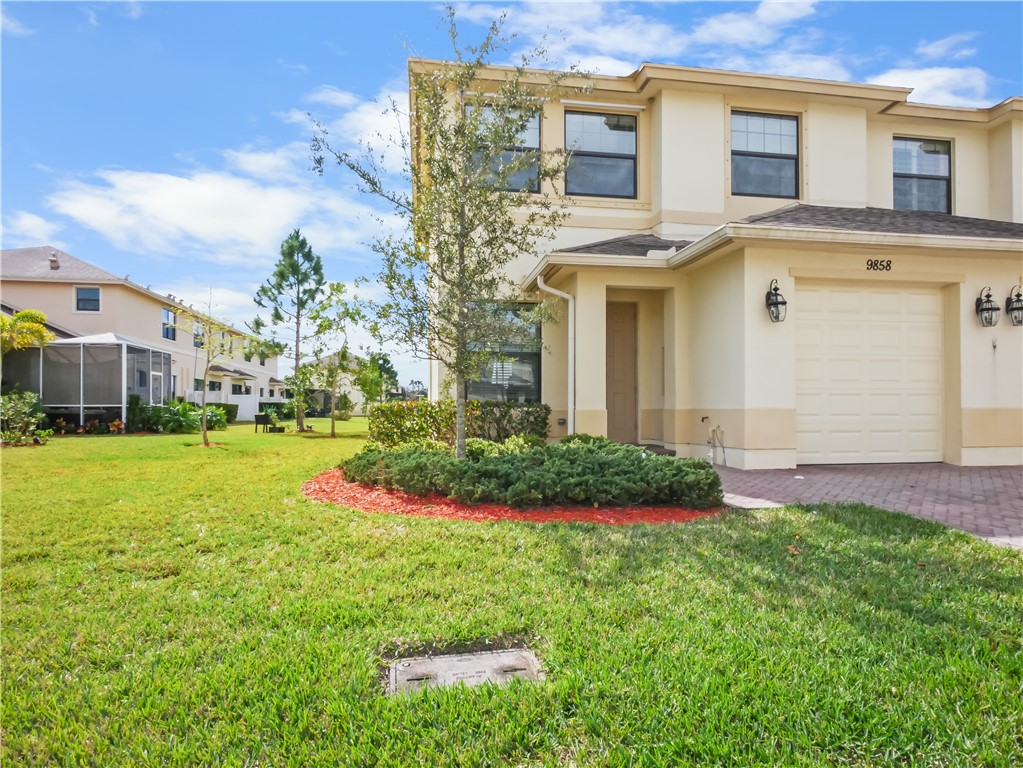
(1005, 163)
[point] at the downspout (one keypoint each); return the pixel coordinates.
(571, 346)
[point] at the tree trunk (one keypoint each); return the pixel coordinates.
(459, 415)
(300, 402)
(205, 436)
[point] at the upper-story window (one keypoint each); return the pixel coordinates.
(86, 299)
(922, 175)
(170, 330)
(524, 154)
(765, 155)
(603, 154)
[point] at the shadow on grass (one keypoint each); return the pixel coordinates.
(877, 570)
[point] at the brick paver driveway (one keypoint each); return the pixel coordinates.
(984, 501)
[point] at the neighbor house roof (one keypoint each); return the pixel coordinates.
(47, 263)
(233, 372)
(884, 220)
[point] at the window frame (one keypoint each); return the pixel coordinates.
(607, 155)
(169, 330)
(214, 386)
(795, 159)
(926, 176)
(533, 357)
(525, 150)
(197, 385)
(78, 300)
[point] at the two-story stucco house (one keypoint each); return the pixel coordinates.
(882, 224)
(117, 338)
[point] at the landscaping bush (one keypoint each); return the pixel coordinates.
(177, 417)
(343, 407)
(230, 412)
(140, 416)
(521, 473)
(20, 416)
(398, 422)
(216, 416)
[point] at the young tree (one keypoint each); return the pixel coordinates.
(214, 341)
(476, 199)
(24, 329)
(335, 364)
(369, 380)
(291, 293)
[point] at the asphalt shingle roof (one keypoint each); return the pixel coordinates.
(34, 264)
(884, 220)
(629, 245)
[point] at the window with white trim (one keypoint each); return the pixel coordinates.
(170, 330)
(86, 298)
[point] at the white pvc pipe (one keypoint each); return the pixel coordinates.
(571, 347)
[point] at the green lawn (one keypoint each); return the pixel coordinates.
(169, 605)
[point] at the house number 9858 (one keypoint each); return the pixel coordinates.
(879, 265)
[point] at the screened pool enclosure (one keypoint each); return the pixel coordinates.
(91, 377)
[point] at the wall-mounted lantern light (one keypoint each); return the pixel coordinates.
(987, 308)
(1014, 305)
(776, 303)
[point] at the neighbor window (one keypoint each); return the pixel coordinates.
(922, 175)
(86, 299)
(525, 152)
(197, 337)
(197, 385)
(170, 331)
(237, 389)
(261, 391)
(271, 393)
(765, 155)
(513, 374)
(214, 386)
(602, 159)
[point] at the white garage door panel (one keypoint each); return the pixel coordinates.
(868, 374)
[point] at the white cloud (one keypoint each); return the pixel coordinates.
(790, 63)
(23, 229)
(950, 86)
(754, 30)
(333, 97)
(275, 163)
(11, 26)
(947, 47)
(214, 216)
(133, 9)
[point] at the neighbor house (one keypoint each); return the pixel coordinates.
(117, 338)
(778, 271)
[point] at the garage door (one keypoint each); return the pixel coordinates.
(868, 374)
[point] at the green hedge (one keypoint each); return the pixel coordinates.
(399, 422)
(522, 474)
(231, 410)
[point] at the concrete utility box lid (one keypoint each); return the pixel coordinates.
(411, 674)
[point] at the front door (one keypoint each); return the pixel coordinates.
(622, 408)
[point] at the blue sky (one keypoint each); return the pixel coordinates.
(169, 141)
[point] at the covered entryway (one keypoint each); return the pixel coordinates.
(622, 405)
(868, 374)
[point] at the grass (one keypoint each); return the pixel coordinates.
(169, 605)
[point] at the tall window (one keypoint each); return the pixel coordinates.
(765, 155)
(86, 299)
(214, 386)
(922, 175)
(197, 385)
(237, 389)
(170, 330)
(524, 154)
(513, 374)
(197, 336)
(603, 154)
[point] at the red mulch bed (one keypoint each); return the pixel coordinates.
(331, 487)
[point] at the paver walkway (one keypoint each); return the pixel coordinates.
(984, 501)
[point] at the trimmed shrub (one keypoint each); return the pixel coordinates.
(20, 419)
(520, 473)
(230, 412)
(399, 422)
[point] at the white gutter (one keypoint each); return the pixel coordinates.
(571, 346)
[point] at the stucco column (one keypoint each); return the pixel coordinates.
(591, 330)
